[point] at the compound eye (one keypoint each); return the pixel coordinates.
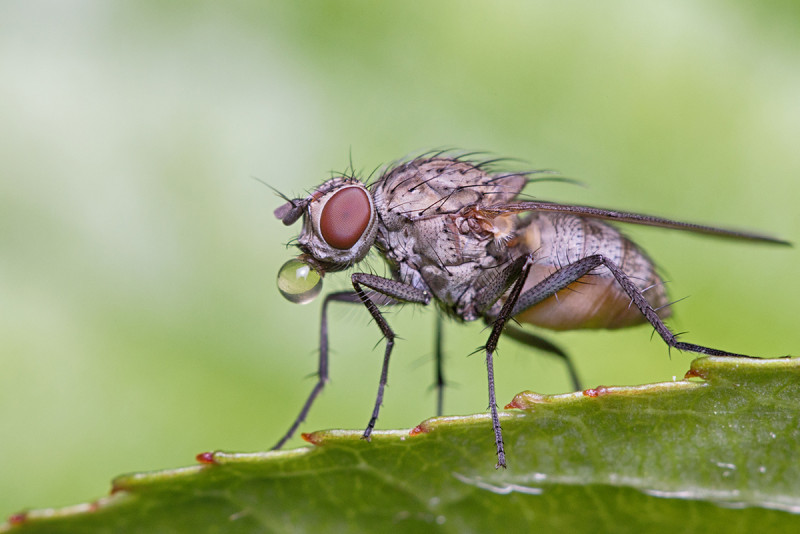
(345, 217)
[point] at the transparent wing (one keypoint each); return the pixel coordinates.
(622, 216)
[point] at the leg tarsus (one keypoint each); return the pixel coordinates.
(381, 386)
(322, 371)
(498, 431)
(303, 412)
(439, 384)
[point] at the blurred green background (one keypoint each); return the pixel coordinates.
(140, 320)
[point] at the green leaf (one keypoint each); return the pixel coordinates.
(715, 451)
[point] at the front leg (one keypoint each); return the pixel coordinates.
(395, 290)
(322, 372)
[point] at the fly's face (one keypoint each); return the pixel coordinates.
(339, 227)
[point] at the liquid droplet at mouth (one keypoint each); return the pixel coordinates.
(299, 282)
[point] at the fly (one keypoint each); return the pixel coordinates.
(456, 233)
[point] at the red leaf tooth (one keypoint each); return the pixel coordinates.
(206, 458)
(18, 519)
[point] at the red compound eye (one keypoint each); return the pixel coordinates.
(345, 217)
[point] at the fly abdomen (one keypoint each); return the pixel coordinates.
(595, 300)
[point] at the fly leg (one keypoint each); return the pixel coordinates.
(568, 274)
(396, 291)
(322, 371)
(515, 274)
(439, 384)
(532, 340)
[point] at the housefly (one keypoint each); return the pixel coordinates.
(455, 232)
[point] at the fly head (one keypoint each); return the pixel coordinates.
(339, 227)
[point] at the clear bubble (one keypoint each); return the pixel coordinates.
(298, 282)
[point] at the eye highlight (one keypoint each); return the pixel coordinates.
(345, 217)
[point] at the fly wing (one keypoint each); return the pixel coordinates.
(626, 217)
